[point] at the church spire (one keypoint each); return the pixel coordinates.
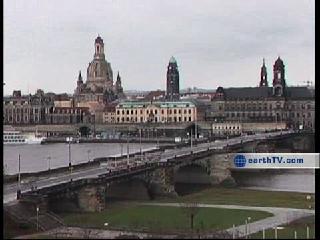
(80, 77)
(263, 75)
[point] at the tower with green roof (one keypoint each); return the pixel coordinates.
(172, 92)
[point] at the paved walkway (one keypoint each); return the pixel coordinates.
(281, 216)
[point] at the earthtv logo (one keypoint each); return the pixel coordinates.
(240, 161)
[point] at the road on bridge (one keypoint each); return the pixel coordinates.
(10, 190)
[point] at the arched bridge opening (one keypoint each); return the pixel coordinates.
(130, 189)
(191, 178)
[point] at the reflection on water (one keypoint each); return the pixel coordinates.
(36, 158)
(289, 180)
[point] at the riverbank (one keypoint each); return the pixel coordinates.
(246, 197)
(135, 218)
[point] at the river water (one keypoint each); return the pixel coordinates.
(36, 158)
(297, 180)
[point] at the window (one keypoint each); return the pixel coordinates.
(189, 111)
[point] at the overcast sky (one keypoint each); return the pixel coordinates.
(215, 42)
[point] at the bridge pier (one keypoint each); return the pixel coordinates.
(92, 198)
(161, 183)
(220, 173)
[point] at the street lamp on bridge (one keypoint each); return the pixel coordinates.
(69, 139)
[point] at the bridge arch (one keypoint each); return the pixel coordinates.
(194, 173)
(130, 189)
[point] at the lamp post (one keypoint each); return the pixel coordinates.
(19, 181)
(49, 158)
(37, 218)
(157, 137)
(140, 145)
(88, 151)
(233, 232)
(249, 218)
(195, 131)
(128, 155)
(246, 229)
(191, 139)
(69, 139)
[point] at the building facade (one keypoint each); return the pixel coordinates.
(68, 115)
(156, 112)
(294, 106)
(42, 108)
(173, 88)
(28, 109)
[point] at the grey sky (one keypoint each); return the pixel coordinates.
(216, 42)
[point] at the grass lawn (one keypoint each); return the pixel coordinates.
(157, 218)
(288, 232)
(236, 196)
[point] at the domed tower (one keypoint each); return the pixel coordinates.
(279, 82)
(99, 48)
(172, 80)
(263, 76)
(99, 72)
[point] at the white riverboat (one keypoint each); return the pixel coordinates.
(16, 137)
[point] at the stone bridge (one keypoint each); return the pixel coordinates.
(158, 178)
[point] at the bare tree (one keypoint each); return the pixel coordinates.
(191, 210)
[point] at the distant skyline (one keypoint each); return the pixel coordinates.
(215, 42)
